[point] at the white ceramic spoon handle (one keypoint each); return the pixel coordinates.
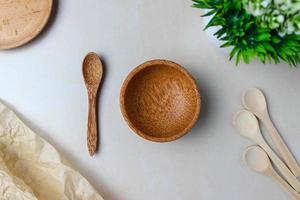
(294, 195)
(281, 146)
(284, 170)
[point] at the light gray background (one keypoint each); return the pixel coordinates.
(42, 81)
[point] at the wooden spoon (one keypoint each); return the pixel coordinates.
(255, 101)
(92, 72)
(257, 159)
(247, 125)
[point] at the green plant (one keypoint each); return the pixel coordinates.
(240, 30)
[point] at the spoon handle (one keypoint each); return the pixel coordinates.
(294, 195)
(281, 146)
(284, 170)
(92, 135)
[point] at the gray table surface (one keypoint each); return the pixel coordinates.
(42, 81)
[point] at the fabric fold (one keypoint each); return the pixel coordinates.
(33, 168)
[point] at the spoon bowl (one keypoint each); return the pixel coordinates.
(255, 101)
(246, 124)
(92, 70)
(257, 159)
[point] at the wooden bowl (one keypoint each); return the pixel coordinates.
(160, 101)
(22, 21)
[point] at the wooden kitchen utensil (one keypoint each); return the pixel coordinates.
(247, 125)
(92, 72)
(257, 159)
(22, 20)
(255, 101)
(160, 101)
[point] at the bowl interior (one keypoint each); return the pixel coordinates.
(161, 102)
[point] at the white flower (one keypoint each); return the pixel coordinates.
(280, 15)
(281, 1)
(281, 33)
(266, 3)
(257, 12)
(290, 28)
(280, 18)
(295, 7)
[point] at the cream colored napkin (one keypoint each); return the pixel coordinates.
(31, 169)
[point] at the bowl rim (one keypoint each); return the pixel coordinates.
(152, 63)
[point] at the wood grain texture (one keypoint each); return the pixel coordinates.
(92, 134)
(92, 72)
(22, 20)
(160, 101)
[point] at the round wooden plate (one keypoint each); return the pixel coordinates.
(160, 101)
(22, 20)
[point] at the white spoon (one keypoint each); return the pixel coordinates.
(247, 125)
(255, 101)
(257, 159)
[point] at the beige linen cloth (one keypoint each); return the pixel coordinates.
(31, 169)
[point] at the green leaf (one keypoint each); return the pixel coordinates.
(263, 37)
(269, 47)
(251, 53)
(260, 48)
(262, 58)
(275, 57)
(287, 51)
(248, 25)
(244, 42)
(238, 57)
(276, 39)
(233, 52)
(292, 61)
(226, 44)
(201, 4)
(212, 22)
(293, 37)
(246, 57)
(224, 38)
(209, 13)
(220, 32)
